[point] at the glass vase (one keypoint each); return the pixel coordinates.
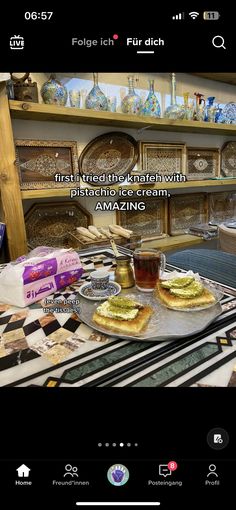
(218, 114)
(132, 102)
(174, 111)
(151, 106)
(96, 100)
(210, 110)
(187, 107)
(53, 92)
(200, 107)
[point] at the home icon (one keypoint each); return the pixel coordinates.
(23, 471)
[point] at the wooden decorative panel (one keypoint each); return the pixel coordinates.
(150, 222)
(222, 206)
(186, 211)
(202, 163)
(38, 162)
(49, 224)
(162, 158)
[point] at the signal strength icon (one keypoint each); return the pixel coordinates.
(178, 16)
(194, 14)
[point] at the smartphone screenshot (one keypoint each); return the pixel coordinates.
(117, 257)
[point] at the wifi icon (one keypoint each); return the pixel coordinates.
(194, 14)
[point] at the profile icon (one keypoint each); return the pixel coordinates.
(118, 474)
(212, 471)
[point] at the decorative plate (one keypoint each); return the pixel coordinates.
(86, 291)
(228, 159)
(111, 153)
(228, 114)
(49, 224)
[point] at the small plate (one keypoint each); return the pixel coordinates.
(217, 293)
(86, 291)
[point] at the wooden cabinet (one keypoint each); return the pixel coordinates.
(12, 196)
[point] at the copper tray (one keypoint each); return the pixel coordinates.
(49, 224)
(111, 153)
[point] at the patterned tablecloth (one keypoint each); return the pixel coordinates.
(41, 347)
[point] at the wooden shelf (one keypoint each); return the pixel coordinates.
(45, 193)
(65, 192)
(173, 242)
(183, 185)
(45, 112)
(13, 209)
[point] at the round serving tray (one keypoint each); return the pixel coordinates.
(111, 153)
(165, 324)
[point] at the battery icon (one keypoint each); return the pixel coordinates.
(211, 15)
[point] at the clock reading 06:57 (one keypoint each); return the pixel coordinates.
(42, 16)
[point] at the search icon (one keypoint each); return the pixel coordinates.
(218, 42)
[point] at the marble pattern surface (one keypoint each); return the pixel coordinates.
(56, 349)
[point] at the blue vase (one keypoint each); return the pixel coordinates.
(151, 106)
(218, 114)
(53, 92)
(96, 100)
(210, 110)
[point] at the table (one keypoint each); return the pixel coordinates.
(48, 348)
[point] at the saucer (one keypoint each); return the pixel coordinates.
(86, 291)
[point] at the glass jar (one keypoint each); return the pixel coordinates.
(96, 100)
(174, 111)
(124, 273)
(151, 106)
(132, 102)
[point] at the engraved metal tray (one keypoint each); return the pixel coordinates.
(165, 324)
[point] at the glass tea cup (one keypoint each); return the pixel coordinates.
(148, 266)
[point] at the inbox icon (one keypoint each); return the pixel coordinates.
(164, 470)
